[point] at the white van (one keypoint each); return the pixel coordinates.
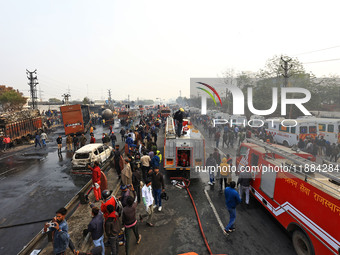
(90, 153)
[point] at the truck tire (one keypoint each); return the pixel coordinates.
(285, 143)
(302, 244)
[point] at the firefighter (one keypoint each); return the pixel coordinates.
(96, 174)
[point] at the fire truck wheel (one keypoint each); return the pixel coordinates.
(301, 243)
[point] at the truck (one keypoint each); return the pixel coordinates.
(76, 118)
(20, 125)
(183, 154)
(303, 196)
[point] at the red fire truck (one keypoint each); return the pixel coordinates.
(301, 194)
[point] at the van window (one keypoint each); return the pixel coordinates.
(312, 129)
(293, 130)
(303, 130)
(95, 152)
(330, 128)
(82, 156)
(106, 147)
(322, 127)
(100, 149)
(283, 128)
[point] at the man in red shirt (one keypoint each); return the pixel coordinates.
(96, 174)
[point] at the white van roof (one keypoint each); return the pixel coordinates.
(89, 147)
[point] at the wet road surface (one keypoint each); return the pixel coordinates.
(34, 183)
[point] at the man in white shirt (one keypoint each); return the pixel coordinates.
(148, 201)
(145, 160)
(43, 138)
(133, 136)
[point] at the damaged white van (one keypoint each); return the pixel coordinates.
(90, 153)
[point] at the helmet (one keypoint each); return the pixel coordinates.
(181, 109)
(164, 196)
(123, 187)
(106, 193)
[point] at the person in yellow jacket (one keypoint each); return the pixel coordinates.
(225, 174)
(158, 153)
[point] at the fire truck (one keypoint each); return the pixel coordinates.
(301, 195)
(183, 154)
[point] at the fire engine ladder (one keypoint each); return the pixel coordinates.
(170, 131)
(334, 176)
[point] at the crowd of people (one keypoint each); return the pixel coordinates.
(140, 183)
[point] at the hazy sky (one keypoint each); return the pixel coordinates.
(151, 48)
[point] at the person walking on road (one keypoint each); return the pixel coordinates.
(130, 222)
(232, 199)
(43, 139)
(244, 181)
(60, 144)
(82, 140)
(145, 160)
(37, 140)
(69, 141)
(96, 174)
(225, 174)
(113, 139)
(157, 187)
(75, 142)
(148, 201)
(211, 166)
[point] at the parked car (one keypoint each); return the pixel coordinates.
(90, 153)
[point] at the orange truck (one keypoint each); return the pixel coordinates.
(76, 118)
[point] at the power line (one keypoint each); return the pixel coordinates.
(307, 52)
(328, 60)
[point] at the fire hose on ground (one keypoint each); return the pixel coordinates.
(186, 186)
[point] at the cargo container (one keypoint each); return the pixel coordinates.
(76, 118)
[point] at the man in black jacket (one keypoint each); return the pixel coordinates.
(179, 115)
(157, 187)
(244, 181)
(112, 229)
(96, 227)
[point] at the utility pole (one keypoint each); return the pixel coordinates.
(66, 98)
(180, 93)
(286, 68)
(109, 92)
(33, 82)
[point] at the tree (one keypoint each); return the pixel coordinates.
(11, 99)
(54, 100)
(86, 100)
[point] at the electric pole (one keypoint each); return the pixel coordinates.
(33, 82)
(286, 68)
(66, 98)
(109, 92)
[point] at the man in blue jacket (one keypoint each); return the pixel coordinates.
(232, 199)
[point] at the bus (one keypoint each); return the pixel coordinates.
(329, 129)
(288, 132)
